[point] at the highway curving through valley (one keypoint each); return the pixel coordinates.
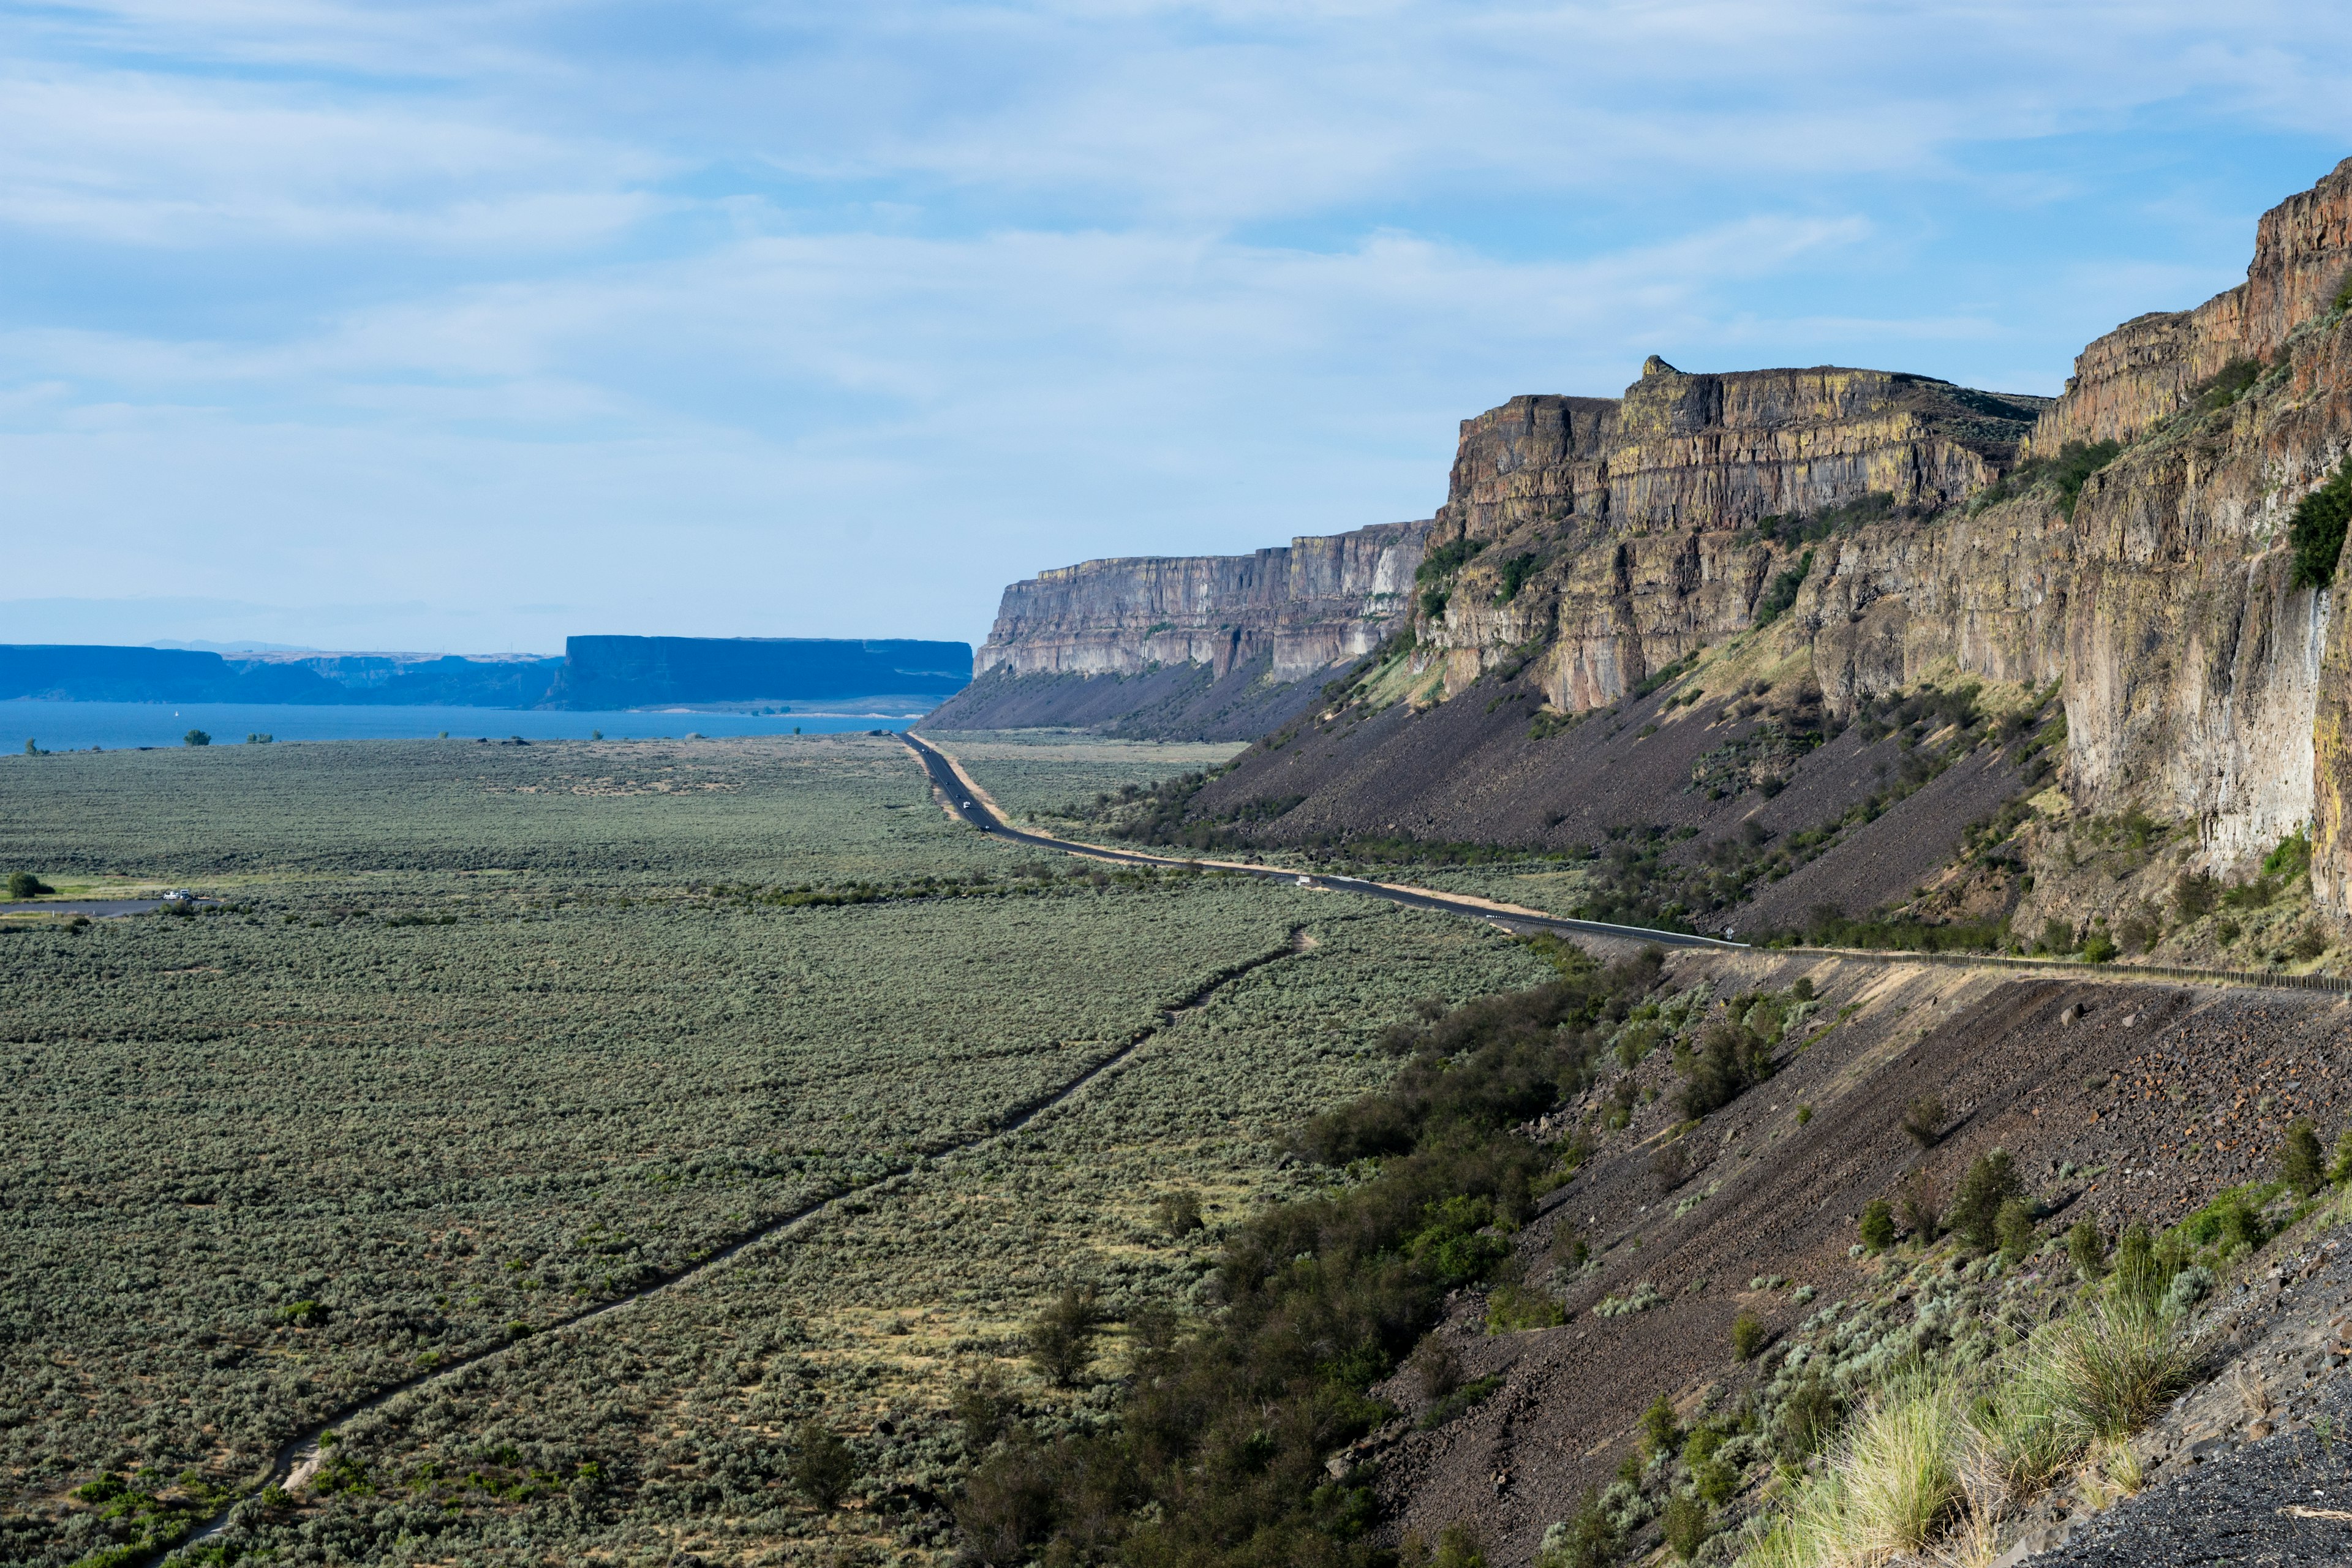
(967, 803)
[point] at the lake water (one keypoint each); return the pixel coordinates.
(77, 726)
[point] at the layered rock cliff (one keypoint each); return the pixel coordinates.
(1621, 536)
(2128, 538)
(2200, 683)
(1208, 647)
(1303, 608)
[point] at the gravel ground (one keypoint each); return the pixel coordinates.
(2253, 1467)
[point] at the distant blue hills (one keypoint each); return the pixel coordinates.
(596, 672)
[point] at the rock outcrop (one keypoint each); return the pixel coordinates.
(1210, 646)
(1304, 607)
(1623, 535)
(1876, 530)
(2199, 682)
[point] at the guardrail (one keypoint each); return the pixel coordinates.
(1430, 899)
(2272, 979)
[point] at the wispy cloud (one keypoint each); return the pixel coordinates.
(823, 317)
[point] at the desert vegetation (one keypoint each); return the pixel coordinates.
(539, 1027)
(1217, 1451)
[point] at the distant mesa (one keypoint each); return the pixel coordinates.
(597, 672)
(1218, 647)
(638, 672)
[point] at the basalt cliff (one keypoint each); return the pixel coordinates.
(1216, 646)
(1841, 537)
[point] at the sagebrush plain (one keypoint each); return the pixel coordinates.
(478, 1040)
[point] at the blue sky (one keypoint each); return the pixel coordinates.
(466, 326)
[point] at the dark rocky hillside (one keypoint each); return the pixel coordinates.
(1747, 809)
(2118, 1102)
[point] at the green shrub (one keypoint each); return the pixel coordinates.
(2290, 859)
(1513, 1309)
(2099, 948)
(1662, 1431)
(2013, 1227)
(1808, 1417)
(1878, 1226)
(2316, 532)
(1732, 1057)
(1459, 1545)
(823, 1468)
(2229, 384)
(1991, 1181)
(1923, 1121)
(1921, 1209)
(1748, 1336)
(2057, 937)
(2076, 462)
(1061, 1337)
(1584, 1540)
(1686, 1526)
(1514, 575)
(2301, 1165)
(1466, 1397)
(1783, 594)
(2194, 894)
(2087, 1248)
(25, 885)
(2228, 1222)
(2339, 1169)
(195, 738)
(1178, 1212)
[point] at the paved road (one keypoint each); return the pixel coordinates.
(968, 806)
(80, 906)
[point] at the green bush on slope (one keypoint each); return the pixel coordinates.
(1218, 1454)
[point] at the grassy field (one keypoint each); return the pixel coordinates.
(485, 1036)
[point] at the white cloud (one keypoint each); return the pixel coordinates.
(824, 318)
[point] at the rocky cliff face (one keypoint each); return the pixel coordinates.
(1893, 529)
(1303, 608)
(1621, 535)
(2198, 682)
